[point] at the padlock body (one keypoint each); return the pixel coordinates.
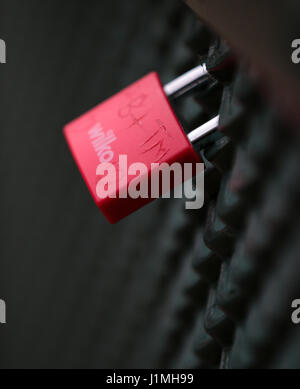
(137, 122)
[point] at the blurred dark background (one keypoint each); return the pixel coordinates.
(78, 290)
(164, 287)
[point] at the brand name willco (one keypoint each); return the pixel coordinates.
(101, 143)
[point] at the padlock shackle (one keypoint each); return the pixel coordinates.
(204, 130)
(187, 81)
